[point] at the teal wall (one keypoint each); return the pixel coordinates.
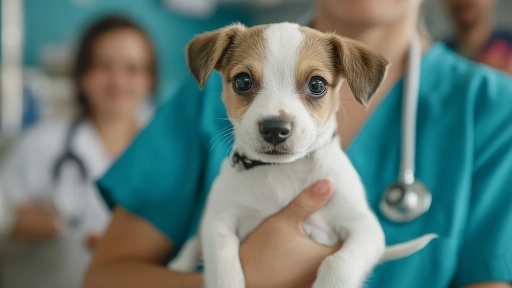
(58, 21)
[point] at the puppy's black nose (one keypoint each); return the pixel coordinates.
(275, 130)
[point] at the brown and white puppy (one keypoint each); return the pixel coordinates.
(281, 91)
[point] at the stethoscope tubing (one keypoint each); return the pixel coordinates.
(68, 156)
(409, 112)
(408, 198)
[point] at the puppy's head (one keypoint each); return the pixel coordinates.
(282, 82)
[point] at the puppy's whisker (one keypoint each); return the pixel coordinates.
(222, 132)
(230, 147)
(217, 140)
(219, 137)
(224, 137)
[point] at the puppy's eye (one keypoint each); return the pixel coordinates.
(317, 86)
(242, 82)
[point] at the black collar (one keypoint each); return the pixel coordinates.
(238, 160)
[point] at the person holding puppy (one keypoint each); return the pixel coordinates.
(463, 153)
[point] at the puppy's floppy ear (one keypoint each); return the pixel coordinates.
(363, 68)
(205, 51)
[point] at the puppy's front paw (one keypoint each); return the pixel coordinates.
(224, 283)
(224, 278)
(336, 274)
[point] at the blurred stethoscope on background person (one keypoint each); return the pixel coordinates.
(66, 201)
(408, 198)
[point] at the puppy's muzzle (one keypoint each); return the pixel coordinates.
(275, 130)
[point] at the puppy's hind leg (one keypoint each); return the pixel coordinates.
(188, 257)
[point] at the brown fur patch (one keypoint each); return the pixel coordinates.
(333, 57)
(246, 54)
(205, 51)
(363, 68)
(316, 59)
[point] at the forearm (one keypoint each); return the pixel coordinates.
(132, 274)
(34, 222)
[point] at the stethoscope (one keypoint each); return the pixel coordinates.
(408, 198)
(67, 157)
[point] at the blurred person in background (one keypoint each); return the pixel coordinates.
(464, 150)
(476, 36)
(57, 214)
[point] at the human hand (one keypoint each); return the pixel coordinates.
(36, 222)
(278, 253)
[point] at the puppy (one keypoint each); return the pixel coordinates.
(281, 92)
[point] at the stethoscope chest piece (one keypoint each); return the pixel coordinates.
(405, 202)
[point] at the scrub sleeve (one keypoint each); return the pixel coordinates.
(165, 174)
(486, 252)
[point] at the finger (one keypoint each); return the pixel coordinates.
(308, 202)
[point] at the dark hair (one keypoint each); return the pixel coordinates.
(85, 51)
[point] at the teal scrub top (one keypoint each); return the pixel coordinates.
(463, 155)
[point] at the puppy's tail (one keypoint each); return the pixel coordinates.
(407, 248)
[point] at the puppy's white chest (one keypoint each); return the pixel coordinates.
(315, 226)
(256, 194)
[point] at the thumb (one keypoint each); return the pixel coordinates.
(308, 202)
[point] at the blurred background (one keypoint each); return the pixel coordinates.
(50, 30)
(40, 40)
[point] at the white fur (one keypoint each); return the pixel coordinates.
(240, 200)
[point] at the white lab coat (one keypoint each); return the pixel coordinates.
(26, 175)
